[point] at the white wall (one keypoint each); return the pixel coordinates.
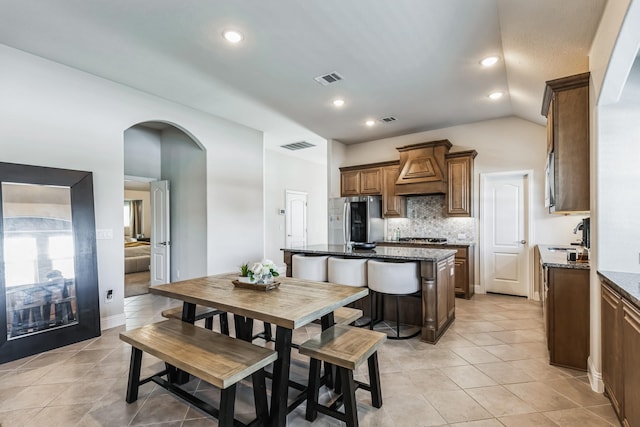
(142, 152)
(184, 166)
(56, 116)
(503, 145)
(288, 173)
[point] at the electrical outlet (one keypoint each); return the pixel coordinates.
(108, 296)
(104, 234)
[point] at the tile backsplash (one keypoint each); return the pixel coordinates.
(426, 218)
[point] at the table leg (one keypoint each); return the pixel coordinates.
(244, 327)
(280, 385)
(330, 370)
(178, 376)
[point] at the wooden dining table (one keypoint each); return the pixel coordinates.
(293, 304)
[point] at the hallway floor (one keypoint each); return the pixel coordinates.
(489, 369)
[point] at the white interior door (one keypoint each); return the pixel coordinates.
(160, 233)
(505, 233)
(296, 219)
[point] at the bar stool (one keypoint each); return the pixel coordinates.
(309, 267)
(397, 279)
(350, 272)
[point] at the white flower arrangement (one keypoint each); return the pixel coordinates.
(263, 271)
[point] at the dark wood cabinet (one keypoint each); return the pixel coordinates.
(392, 206)
(350, 183)
(362, 180)
(567, 310)
(459, 196)
(611, 316)
(631, 364)
(371, 181)
(566, 106)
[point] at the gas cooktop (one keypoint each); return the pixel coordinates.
(424, 239)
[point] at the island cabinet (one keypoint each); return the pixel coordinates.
(566, 307)
(434, 311)
(621, 353)
(566, 106)
(459, 196)
(464, 283)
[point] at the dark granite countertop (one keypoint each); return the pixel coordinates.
(627, 284)
(421, 245)
(558, 258)
(383, 252)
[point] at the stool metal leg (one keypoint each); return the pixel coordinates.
(349, 395)
(374, 381)
(397, 316)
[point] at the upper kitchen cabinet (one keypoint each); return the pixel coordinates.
(459, 198)
(363, 180)
(566, 106)
(422, 168)
(392, 206)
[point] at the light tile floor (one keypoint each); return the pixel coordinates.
(489, 369)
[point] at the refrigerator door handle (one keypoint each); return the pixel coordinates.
(347, 221)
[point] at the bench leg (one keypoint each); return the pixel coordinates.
(374, 380)
(267, 332)
(227, 404)
(224, 323)
(260, 397)
(208, 323)
(349, 395)
(313, 390)
(134, 375)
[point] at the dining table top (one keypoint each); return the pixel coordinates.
(294, 303)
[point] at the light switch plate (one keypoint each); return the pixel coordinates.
(104, 233)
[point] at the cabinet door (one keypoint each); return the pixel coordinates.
(550, 128)
(350, 183)
(461, 278)
(458, 200)
(630, 364)
(371, 181)
(393, 206)
(611, 316)
(451, 288)
(443, 293)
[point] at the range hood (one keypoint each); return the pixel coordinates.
(422, 168)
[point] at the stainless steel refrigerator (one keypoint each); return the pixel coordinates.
(355, 219)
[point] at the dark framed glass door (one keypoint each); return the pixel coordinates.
(48, 274)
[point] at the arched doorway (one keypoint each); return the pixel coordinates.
(153, 152)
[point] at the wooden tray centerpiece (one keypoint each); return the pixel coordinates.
(256, 286)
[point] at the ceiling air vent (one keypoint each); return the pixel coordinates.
(327, 79)
(297, 145)
(388, 119)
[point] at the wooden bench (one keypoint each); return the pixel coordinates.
(215, 358)
(206, 313)
(346, 347)
(346, 315)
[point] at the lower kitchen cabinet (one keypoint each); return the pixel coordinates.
(631, 364)
(611, 317)
(567, 316)
(621, 355)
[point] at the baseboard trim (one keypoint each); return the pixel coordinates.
(112, 321)
(595, 377)
(478, 289)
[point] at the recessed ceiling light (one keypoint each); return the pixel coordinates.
(489, 61)
(338, 102)
(232, 36)
(496, 95)
(370, 122)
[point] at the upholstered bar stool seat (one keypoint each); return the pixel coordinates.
(350, 272)
(396, 279)
(309, 267)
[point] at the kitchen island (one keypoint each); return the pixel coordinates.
(436, 310)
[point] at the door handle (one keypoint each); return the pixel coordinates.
(164, 243)
(524, 242)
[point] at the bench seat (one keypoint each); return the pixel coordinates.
(202, 312)
(215, 358)
(346, 315)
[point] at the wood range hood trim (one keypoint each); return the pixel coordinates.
(422, 168)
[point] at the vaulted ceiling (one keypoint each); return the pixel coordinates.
(415, 60)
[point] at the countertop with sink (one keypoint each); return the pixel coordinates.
(556, 256)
